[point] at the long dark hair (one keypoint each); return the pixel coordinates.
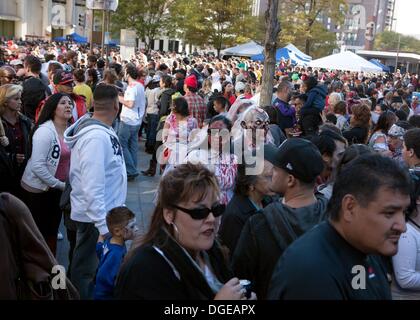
(244, 181)
(50, 106)
(385, 121)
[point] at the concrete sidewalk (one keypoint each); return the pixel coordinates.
(140, 196)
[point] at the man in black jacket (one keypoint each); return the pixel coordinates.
(297, 163)
(340, 259)
(34, 90)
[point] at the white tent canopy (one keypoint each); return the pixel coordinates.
(244, 50)
(347, 61)
(300, 54)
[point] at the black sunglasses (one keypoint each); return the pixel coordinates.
(202, 213)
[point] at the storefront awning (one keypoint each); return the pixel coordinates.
(10, 18)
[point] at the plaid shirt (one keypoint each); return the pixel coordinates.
(197, 107)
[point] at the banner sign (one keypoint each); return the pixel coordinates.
(58, 16)
(102, 4)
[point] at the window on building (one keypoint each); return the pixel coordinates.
(57, 33)
(160, 45)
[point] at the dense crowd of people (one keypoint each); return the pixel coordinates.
(290, 196)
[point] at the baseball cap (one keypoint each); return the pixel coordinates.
(239, 86)
(299, 157)
(295, 77)
(62, 77)
(156, 77)
(396, 131)
(191, 81)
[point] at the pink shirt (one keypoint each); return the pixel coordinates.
(63, 168)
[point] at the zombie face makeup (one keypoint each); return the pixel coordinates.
(130, 229)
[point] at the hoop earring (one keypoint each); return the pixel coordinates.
(175, 228)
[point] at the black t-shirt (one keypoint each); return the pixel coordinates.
(319, 266)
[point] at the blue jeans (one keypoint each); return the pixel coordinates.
(128, 136)
(85, 260)
(152, 123)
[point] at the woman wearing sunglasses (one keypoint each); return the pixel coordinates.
(7, 75)
(179, 258)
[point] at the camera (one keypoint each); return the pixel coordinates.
(246, 284)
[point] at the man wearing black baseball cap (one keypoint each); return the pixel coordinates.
(297, 163)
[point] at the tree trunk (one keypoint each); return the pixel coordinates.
(270, 46)
(307, 46)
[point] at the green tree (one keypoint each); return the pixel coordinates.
(149, 18)
(188, 23)
(218, 23)
(388, 41)
(302, 24)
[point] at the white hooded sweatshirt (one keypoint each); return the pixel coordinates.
(97, 171)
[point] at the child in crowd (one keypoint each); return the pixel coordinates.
(121, 224)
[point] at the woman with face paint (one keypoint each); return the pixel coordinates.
(179, 258)
(217, 154)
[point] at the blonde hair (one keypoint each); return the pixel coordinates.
(333, 99)
(207, 85)
(6, 92)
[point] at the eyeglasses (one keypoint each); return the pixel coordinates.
(202, 213)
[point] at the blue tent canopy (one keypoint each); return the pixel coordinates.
(60, 39)
(77, 38)
(288, 52)
(280, 53)
(380, 65)
(113, 44)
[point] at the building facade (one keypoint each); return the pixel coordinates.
(48, 19)
(259, 7)
(42, 19)
(364, 20)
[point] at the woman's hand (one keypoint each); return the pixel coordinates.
(232, 290)
(20, 158)
(4, 141)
